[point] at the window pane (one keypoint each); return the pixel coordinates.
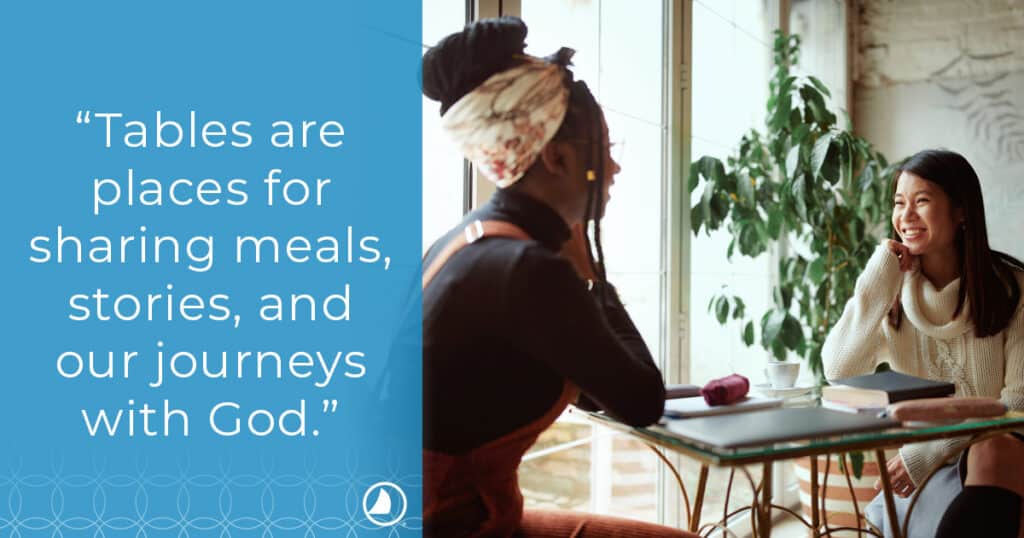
(442, 163)
(731, 55)
(619, 54)
(727, 102)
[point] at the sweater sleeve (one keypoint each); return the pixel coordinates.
(621, 324)
(561, 324)
(919, 458)
(856, 344)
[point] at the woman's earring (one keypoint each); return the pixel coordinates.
(591, 176)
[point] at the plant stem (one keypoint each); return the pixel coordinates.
(828, 280)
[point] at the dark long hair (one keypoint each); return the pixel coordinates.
(988, 284)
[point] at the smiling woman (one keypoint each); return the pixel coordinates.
(964, 324)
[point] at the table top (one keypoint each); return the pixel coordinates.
(890, 438)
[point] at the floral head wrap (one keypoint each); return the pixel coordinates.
(502, 125)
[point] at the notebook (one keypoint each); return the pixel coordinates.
(697, 407)
(884, 388)
(774, 426)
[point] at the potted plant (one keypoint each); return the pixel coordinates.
(808, 183)
(817, 193)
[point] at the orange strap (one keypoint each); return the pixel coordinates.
(474, 232)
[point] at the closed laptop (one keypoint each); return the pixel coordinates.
(774, 426)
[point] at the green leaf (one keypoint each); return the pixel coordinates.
(783, 296)
(794, 117)
(722, 310)
(712, 168)
(780, 40)
(696, 218)
(771, 326)
(785, 266)
(787, 85)
(739, 309)
(780, 117)
(816, 105)
(792, 161)
(727, 184)
(779, 350)
(820, 86)
(762, 232)
(792, 333)
(774, 223)
(857, 462)
(719, 209)
(800, 132)
(816, 270)
(694, 176)
(799, 197)
(820, 152)
(745, 188)
(850, 159)
(814, 358)
(866, 178)
(705, 206)
(748, 334)
(745, 241)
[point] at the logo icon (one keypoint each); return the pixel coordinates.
(384, 504)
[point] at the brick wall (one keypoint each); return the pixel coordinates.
(949, 73)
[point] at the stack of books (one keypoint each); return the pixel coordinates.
(873, 393)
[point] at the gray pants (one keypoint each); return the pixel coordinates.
(944, 486)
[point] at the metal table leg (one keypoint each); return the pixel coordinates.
(698, 501)
(815, 516)
(765, 510)
(890, 503)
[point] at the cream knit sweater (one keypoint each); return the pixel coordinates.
(929, 344)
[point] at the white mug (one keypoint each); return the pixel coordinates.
(782, 375)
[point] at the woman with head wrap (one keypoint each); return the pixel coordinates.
(518, 320)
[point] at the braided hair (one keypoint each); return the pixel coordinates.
(595, 185)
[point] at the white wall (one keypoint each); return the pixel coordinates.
(947, 73)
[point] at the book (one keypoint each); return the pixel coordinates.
(882, 389)
(697, 407)
(864, 410)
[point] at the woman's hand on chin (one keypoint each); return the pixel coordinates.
(902, 252)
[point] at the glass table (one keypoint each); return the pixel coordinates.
(877, 441)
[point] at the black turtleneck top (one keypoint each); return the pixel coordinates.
(507, 321)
